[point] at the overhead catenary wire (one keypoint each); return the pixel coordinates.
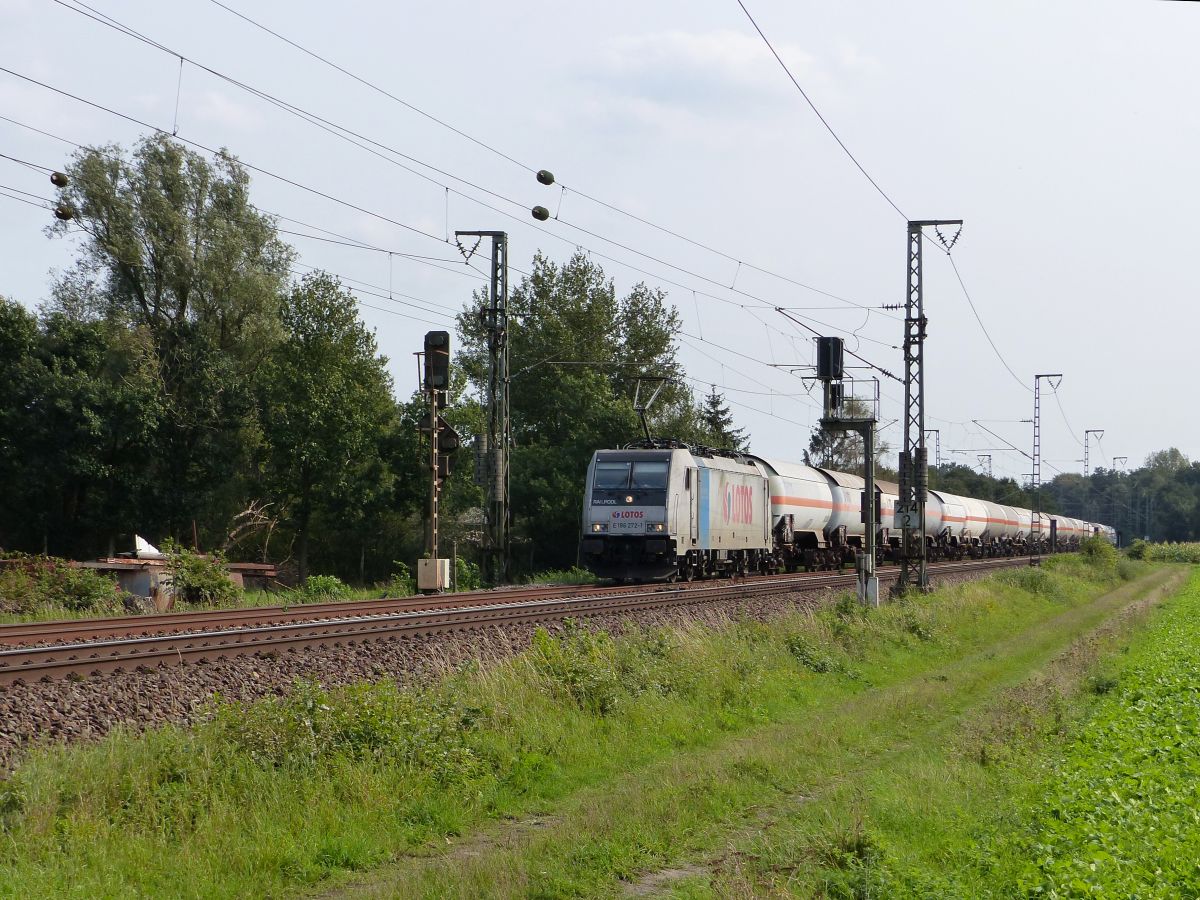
(323, 194)
(354, 137)
(356, 243)
(4, 192)
(693, 274)
(970, 302)
(356, 207)
(824, 121)
(345, 240)
(522, 165)
(46, 204)
(1066, 421)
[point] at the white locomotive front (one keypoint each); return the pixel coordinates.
(660, 513)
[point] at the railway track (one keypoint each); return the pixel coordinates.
(130, 644)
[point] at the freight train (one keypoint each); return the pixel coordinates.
(668, 511)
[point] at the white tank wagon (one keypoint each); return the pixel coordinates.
(801, 507)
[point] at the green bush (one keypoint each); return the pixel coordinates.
(1175, 553)
(324, 588)
(1098, 549)
(467, 575)
(41, 584)
(402, 583)
(200, 580)
(1035, 580)
(1129, 569)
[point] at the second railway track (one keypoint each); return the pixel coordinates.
(128, 645)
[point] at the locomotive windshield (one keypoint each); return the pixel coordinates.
(650, 476)
(611, 476)
(641, 481)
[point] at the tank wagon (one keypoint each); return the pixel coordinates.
(671, 511)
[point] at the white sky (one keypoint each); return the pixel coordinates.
(1065, 133)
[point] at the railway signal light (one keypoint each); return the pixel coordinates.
(829, 358)
(437, 364)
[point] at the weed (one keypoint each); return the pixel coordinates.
(573, 575)
(809, 655)
(44, 586)
(1101, 684)
(322, 588)
(579, 663)
(263, 798)
(402, 583)
(200, 580)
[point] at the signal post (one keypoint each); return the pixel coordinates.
(830, 372)
(433, 572)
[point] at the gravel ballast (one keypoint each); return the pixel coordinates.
(69, 711)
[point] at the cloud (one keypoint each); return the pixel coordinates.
(727, 71)
(216, 108)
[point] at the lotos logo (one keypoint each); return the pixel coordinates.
(628, 513)
(739, 504)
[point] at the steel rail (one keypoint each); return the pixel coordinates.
(27, 664)
(66, 630)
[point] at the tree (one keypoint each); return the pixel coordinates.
(717, 423)
(77, 418)
(327, 405)
(843, 451)
(175, 252)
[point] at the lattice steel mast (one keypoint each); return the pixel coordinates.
(1035, 529)
(493, 465)
(914, 462)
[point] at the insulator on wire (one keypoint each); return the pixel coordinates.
(541, 213)
(545, 176)
(64, 212)
(59, 179)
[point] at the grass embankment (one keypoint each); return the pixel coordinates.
(616, 757)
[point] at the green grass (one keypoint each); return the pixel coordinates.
(573, 575)
(615, 756)
(1117, 810)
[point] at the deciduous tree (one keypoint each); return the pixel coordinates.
(327, 408)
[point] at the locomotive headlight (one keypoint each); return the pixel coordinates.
(657, 526)
(599, 526)
(629, 498)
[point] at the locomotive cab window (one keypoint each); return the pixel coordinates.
(649, 476)
(611, 476)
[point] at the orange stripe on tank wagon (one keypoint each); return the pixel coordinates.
(813, 504)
